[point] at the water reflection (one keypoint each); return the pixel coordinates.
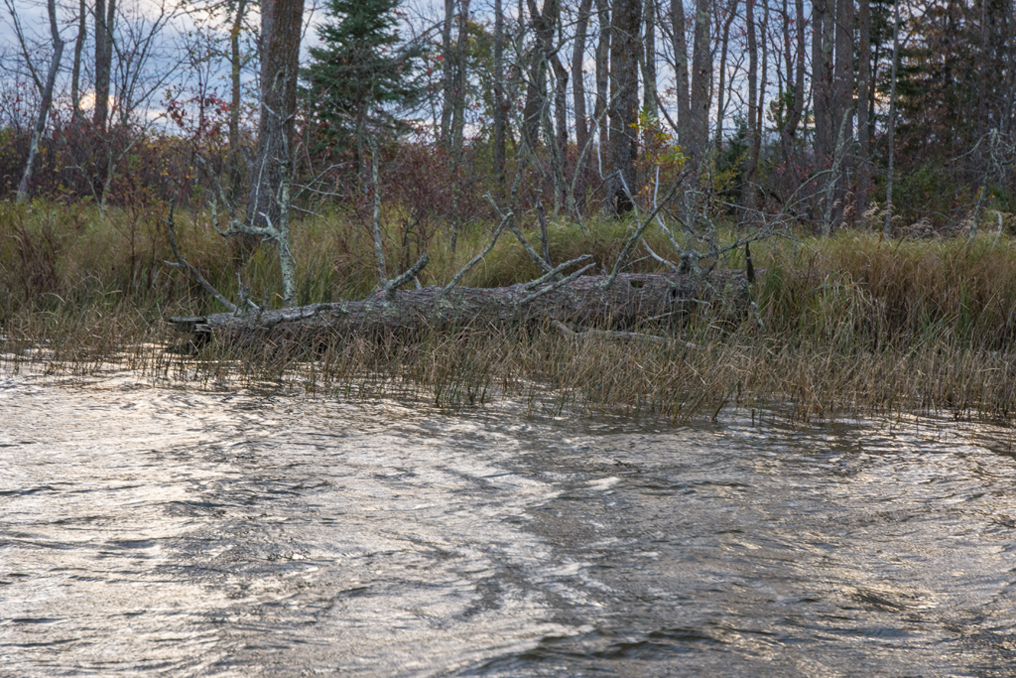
(170, 530)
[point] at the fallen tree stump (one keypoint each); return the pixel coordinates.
(584, 301)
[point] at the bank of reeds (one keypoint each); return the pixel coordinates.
(854, 324)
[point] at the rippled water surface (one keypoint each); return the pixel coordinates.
(170, 531)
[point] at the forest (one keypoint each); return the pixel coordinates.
(819, 110)
(319, 154)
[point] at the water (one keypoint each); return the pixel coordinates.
(169, 531)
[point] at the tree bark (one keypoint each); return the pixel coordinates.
(863, 122)
(822, 100)
(500, 110)
(447, 71)
(105, 20)
(748, 189)
(281, 24)
(579, 97)
(721, 88)
(459, 84)
(560, 154)
(625, 47)
(630, 300)
(602, 84)
(680, 44)
(649, 59)
(843, 92)
(79, 48)
(234, 174)
(701, 81)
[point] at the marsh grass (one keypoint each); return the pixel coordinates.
(851, 325)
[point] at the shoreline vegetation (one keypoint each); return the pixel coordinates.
(853, 324)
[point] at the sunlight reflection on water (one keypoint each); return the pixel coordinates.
(234, 533)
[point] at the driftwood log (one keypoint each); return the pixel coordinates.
(583, 302)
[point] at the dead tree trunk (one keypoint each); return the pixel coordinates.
(587, 301)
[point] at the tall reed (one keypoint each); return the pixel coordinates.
(850, 324)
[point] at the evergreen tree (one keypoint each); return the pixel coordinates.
(361, 74)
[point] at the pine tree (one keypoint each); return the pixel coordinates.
(361, 74)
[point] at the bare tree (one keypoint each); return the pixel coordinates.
(821, 75)
(458, 99)
(843, 91)
(447, 70)
(730, 13)
(751, 159)
(625, 47)
(582, 135)
(602, 80)
(281, 23)
(500, 112)
(789, 130)
(45, 87)
(234, 171)
(79, 48)
(680, 44)
(863, 122)
(701, 81)
(889, 177)
(105, 24)
(649, 93)
(535, 108)
(145, 60)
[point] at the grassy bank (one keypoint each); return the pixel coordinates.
(853, 324)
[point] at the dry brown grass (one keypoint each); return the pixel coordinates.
(851, 325)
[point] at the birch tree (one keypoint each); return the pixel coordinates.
(44, 86)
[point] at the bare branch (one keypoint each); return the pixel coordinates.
(557, 285)
(521, 238)
(411, 274)
(193, 271)
(475, 260)
(637, 235)
(556, 270)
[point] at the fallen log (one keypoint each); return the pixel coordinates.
(586, 301)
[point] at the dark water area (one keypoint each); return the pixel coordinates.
(173, 531)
